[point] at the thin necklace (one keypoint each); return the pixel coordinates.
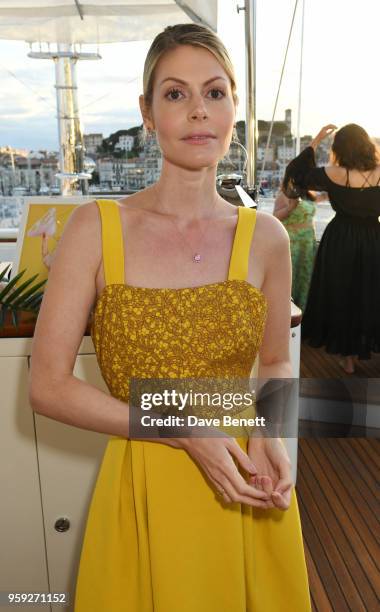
(195, 256)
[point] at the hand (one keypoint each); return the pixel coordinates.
(274, 470)
(327, 130)
(215, 457)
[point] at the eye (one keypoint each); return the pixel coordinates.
(173, 94)
(215, 93)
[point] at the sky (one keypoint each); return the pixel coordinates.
(340, 73)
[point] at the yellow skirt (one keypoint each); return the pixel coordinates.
(158, 539)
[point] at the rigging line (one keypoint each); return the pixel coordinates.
(45, 100)
(79, 9)
(105, 95)
(277, 96)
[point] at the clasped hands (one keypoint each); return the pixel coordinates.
(270, 458)
(264, 479)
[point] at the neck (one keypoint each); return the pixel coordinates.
(187, 195)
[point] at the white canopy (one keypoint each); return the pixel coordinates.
(98, 21)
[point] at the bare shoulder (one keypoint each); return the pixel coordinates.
(86, 214)
(335, 172)
(84, 226)
(270, 233)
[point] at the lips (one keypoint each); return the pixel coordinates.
(199, 136)
(199, 139)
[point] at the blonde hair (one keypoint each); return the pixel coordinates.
(185, 34)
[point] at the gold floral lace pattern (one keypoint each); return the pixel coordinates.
(212, 330)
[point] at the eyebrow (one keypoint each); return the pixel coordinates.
(185, 83)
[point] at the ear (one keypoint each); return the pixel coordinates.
(146, 115)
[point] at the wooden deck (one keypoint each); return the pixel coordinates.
(316, 363)
(338, 495)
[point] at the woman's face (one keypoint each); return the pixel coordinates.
(192, 111)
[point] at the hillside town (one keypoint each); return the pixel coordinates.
(128, 160)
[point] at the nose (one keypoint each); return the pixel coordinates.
(199, 110)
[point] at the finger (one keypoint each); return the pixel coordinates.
(242, 457)
(282, 502)
(242, 488)
(224, 497)
(267, 484)
(221, 493)
(283, 484)
(253, 497)
(263, 504)
(237, 484)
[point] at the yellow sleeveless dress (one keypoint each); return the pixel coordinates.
(158, 538)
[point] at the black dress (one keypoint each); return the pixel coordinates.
(343, 307)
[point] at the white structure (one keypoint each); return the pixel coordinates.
(123, 173)
(92, 142)
(286, 152)
(32, 171)
(125, 143)
(269, 154)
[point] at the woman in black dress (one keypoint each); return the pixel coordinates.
(343, 307)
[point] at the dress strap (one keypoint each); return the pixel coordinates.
(242, 243)
(347, 179)
(112, 242)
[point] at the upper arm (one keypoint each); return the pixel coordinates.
(69, 295)
(280, 202)
(277, 289)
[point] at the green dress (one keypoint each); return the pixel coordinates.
(303, 247)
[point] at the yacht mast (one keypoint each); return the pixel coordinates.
(250, 71)
(298, 138)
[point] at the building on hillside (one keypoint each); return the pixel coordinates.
(125, 143)
(269, 154)
(92, 142)
(35, 172)
(121, 174)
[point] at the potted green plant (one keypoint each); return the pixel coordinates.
(17, 299)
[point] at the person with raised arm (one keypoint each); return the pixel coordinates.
(342, 310)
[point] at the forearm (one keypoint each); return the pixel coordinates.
(279, 369)
(78, 403)
(272, 396)
(315, 142)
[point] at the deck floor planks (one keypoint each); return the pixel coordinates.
(360, 466)
(322, 563)
(318, 595)
(367, 501)
(339, 573)
(366, 459)
(316, 363)
(327, 494)
(374, 457)
(339, 502)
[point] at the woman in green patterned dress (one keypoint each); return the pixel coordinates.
(297, 215)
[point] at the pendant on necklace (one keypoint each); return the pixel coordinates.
(197, 257)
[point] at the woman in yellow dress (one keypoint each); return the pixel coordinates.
(184, 285)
